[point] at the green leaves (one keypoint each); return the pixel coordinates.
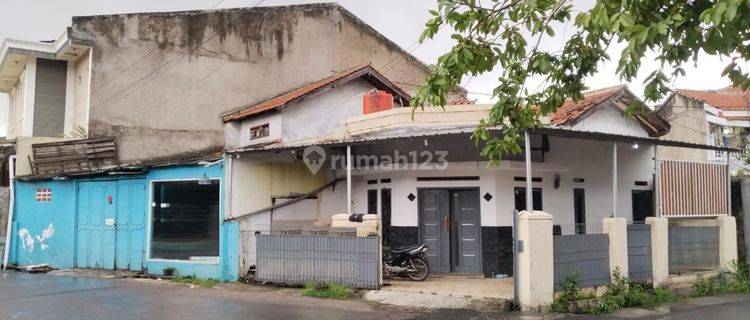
(504, 35)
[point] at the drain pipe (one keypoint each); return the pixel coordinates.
(11, 190)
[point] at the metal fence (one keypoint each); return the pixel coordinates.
(639, 252)
(249, 233)
(582, 251)
(693, 248)
(299, 259)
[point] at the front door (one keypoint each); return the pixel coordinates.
(643, 204)
(579, 208)
(466, 249)
(96, 224)
(434, 228)
(110, 224)
(449, 223)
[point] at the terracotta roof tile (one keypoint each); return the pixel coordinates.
(571, 110)
(728, 98)
(283, 99)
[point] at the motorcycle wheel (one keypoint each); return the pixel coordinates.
(422, 270)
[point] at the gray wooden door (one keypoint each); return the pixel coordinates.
(433, 228)
(465, 230)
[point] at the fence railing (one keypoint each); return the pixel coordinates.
(581, 251)
(640, 267)
(299, 259)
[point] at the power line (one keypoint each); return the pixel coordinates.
(122, 71)
(142, 81)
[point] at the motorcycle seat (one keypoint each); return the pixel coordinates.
(404, 248)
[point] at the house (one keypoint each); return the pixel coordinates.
(715, 117)
(119, 161)
(419, 170)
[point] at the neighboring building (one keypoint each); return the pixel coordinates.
(715, 117)
(422, 174)
(145, 188)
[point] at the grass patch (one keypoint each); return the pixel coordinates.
(620, 294)
(203, 283)
(736, 280)
(327, 291)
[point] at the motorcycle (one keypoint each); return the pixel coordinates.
(409, 261)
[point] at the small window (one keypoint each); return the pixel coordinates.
(260, 131)
(43, 195)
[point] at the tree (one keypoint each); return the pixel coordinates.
(507, 34)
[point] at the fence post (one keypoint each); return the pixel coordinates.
(727, 241)
(617, 229)
(659, 249)
(535, 261)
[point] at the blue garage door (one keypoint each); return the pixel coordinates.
(111, 219)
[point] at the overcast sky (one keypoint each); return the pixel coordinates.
(399, 20)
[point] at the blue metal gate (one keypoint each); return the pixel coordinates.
(110, 224)
(130, 224)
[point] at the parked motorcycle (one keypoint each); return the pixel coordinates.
(409, 261)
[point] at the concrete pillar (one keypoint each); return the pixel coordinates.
(727, 241)
(617, 229)
(659, 249)
(746, 215)
(535, 261)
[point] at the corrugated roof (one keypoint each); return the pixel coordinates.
(366, 71)
(729, 98)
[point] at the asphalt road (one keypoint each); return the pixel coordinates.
(39, 297)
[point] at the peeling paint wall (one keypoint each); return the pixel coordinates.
(161, 80)
(688, 120)
(44, 232)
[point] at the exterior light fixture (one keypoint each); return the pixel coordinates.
(204, 180)
(635, 146)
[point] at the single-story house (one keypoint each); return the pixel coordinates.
(421, 172)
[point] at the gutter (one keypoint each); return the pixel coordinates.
(9, 228)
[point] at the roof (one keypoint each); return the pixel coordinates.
(399, 133)
(572, 111)
(728, 98)
(366, 72)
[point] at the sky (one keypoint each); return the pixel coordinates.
(400, 20)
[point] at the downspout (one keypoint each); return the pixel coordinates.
(228, 178)
(11, 176)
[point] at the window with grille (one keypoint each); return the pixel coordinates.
(260, 131)
(43, 195)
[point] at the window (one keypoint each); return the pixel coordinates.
(520, 198)
(185, 220)
(260, 131)
(372, 201)
(43, 195)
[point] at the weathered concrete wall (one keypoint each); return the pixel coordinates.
(688, 121)
(161, 80)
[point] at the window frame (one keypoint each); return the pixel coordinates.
(266, 125)
(150, 222)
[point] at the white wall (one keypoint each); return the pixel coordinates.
(324, 114)
(570, 158)
(610, 120)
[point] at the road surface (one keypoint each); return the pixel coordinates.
(40, 297)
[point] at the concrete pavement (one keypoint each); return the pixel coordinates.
(39, 297)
